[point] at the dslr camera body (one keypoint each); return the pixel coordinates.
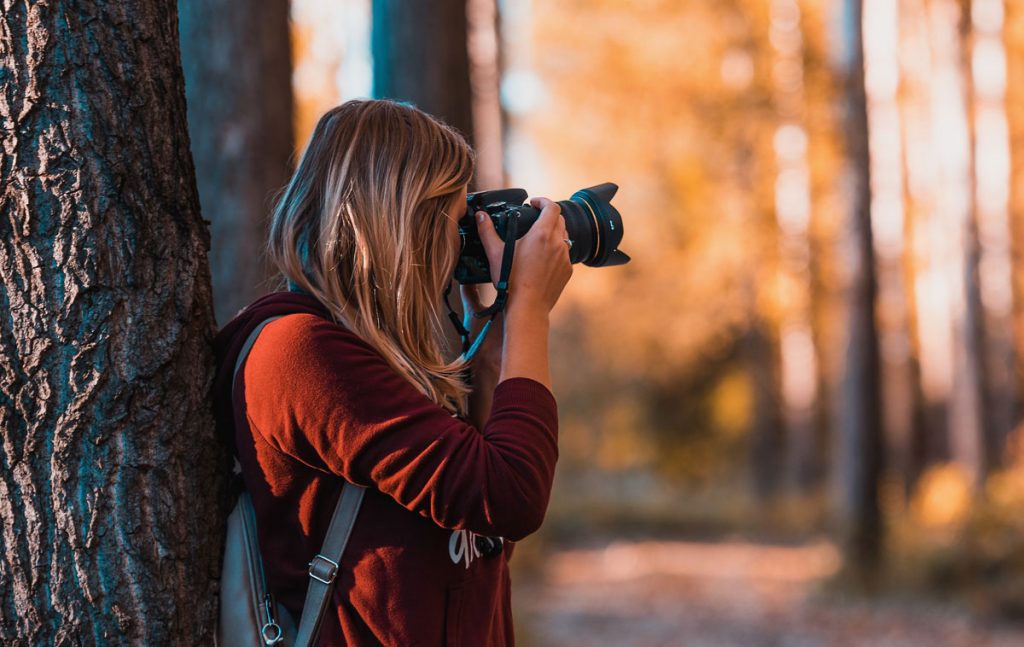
(593, 225)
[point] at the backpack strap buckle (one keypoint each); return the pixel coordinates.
(323, 569)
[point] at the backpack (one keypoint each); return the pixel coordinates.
(249, 614)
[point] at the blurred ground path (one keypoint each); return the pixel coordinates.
(651, 593)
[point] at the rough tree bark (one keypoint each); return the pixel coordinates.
(420, 55)
(238, 80)
(859, 443)
(111, 499)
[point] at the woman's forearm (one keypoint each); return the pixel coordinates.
(539, 273)
(525, 351)
(481, 397)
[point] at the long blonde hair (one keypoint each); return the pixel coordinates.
(363, 226)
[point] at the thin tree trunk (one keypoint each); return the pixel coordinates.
(825, 156)
(111, 486)
(767, 438)
(956, 228)
(420, 55)
(924, 444)
(797, 352)
(485, 73)
(888, 216)
(1013, 39)
(931, 317)
(238, 82)
(985, 66)
(859, 446)
(760, 346)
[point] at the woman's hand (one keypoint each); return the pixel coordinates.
(540, 270)
(494, 246)
(541, 267)
(489, 354)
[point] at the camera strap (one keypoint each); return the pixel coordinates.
(469, 349)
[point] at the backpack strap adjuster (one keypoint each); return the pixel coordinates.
(323, 569)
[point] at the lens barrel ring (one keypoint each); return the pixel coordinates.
(597, 231)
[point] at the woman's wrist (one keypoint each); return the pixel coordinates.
(525, 352)
(523, 314)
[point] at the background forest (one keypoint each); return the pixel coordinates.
(796, 417)
(818, 341)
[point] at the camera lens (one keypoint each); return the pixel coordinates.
(592, 221)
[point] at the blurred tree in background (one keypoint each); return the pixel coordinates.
(443, 57)
(420, 55)
(858, 464)
(238, 81)
(781, 243)
(1013, 37)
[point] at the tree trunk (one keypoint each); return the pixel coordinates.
(859, 446)
(1013, 38)
(956, 228)
(485, 77)
(989, 230)
(420, 55)
(930, 303)
(111, 479)
(889, 230)
(828, 225)
(767, 436)
(798, 355)
(238, 82)
(927, 440)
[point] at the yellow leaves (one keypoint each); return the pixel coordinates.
(943, 497)
(624, 441)
(1005, 489)
(732, 404)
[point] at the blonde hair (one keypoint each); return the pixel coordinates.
(364, 227)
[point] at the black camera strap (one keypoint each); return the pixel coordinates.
(469, 349)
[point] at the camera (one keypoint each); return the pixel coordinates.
(592, 224)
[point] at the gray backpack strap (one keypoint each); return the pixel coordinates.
(246, 347)
(324, 567)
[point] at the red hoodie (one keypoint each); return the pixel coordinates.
(320, 405)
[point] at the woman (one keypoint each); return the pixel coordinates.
(353, 385)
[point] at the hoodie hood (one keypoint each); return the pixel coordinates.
(229, 341)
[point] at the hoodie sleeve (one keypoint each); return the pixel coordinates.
(318, 393)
